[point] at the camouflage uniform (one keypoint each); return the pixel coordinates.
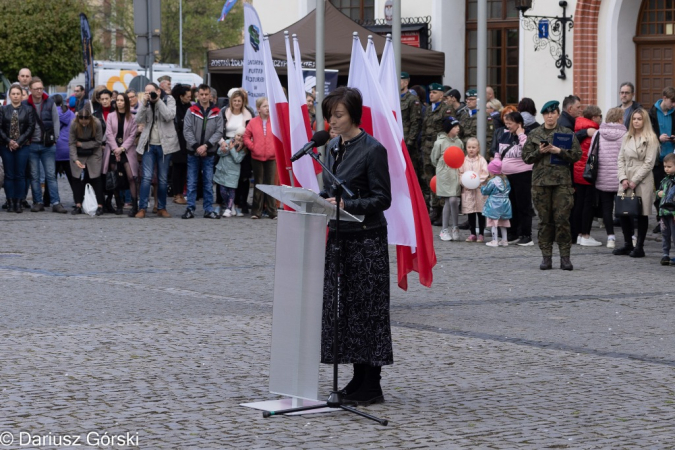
(432, 124)
(411, 112)
(552, 191)
(470, 129)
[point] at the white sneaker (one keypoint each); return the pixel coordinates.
(455, 233)
(503, 243)
(445, 236)
(494, 243)
(239, 213)
(578, 240)
(227, 213)
(589, 242)
(611, 242)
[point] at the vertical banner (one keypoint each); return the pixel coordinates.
(87, 54)
(253, 75)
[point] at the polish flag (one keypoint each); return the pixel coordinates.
(371, 55)
(279, 118)
(305, 168)
(423, 258)
(406, 220)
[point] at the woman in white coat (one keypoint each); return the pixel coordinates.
(639, 152)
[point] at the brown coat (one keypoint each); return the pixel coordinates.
(636, 161)
(93, 162)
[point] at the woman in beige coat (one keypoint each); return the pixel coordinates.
(86, 152)
(639, 152)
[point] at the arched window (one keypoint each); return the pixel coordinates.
(654, 45)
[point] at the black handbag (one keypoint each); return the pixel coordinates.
(625, 206)
(111, 182)
(591, 169)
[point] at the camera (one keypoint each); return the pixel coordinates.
(153, 95)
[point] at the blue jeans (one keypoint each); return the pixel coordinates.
(195, 164)
(47, 156)
(154, 155)
(15, 170)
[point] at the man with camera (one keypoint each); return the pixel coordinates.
(42, 149)
(156, 143)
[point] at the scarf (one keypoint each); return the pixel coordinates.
(14, 131)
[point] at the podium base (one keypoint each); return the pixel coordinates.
(287, 403)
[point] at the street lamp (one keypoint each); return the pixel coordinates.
(551, 31)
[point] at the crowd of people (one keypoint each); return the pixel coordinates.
(529, 166)
(165, 140)
(127, 145)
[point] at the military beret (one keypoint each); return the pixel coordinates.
(551, 106)
(471, 93)
(436, 87)
(164, 78)
(405, 76)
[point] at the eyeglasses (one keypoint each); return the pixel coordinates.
(625, 92)
(38, 89)
(131, 97)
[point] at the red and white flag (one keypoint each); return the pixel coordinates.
(423, 258)
(279, 117)
(408, 220)
(371, 55)
(300, 129)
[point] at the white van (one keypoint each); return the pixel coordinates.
(120, 76)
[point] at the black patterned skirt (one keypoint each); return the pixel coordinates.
(364, 329)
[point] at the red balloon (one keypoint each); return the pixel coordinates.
(453, 157)
(432, 184)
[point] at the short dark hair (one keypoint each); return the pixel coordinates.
(105, 91)
(630, 85)
(526, 104)
(350, 97)
(591, 111)
(516, 117)
(204, 87)
(669, 92)
(80, 86)
(155, 85)
(34, 80)
(670, 157)
(569, 101)
(129, 91)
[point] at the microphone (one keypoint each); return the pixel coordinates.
(319, 139)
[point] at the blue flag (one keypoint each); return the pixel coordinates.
(87, 54)
(226, 9)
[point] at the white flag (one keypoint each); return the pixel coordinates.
(254, 73)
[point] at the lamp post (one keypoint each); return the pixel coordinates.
(180, 33)
(551, 32)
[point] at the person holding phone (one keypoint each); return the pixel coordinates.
(552, 191)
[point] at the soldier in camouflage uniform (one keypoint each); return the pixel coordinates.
(552, 191)
(467, 116)
(411, 112)
(432, 124)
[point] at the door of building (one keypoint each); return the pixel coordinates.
(655, 45)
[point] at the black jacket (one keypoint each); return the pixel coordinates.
(566, 120)
(180, 156)
(26, 123)
(365, 170)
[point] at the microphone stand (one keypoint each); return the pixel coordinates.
(335, 398)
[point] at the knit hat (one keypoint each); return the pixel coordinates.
(455, 93)
(449, 123)
(495, 166)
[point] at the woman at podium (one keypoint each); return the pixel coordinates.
(364, 331)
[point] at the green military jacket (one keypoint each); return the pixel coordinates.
(411, 114)
(433, 124)
(543, 172)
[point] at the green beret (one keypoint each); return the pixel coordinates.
(405, 76)
(551, 106)
(471, 93)
(436, 87)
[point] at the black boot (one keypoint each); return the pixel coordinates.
(546, 263)
(107, 206)
(357, 379)
(370, 391)
(566, 263)
(638, 251)
(119, 205)
(134, 207)
(627, 229)
(7, 206)
(18, 206)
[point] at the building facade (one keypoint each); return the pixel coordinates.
(611, 41)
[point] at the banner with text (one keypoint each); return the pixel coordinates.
(253, 74)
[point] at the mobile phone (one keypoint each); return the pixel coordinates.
(672, 138)
(544, 143)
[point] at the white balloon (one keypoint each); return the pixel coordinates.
(470, 180)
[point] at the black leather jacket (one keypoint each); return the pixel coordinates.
(365, 170)
(26, 123)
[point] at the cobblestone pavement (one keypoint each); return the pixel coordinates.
(160, 328)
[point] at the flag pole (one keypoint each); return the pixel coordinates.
(482, 74)
(396, 34)
(180, 32)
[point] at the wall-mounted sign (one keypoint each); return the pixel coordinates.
(389, 11)
(543, 27)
